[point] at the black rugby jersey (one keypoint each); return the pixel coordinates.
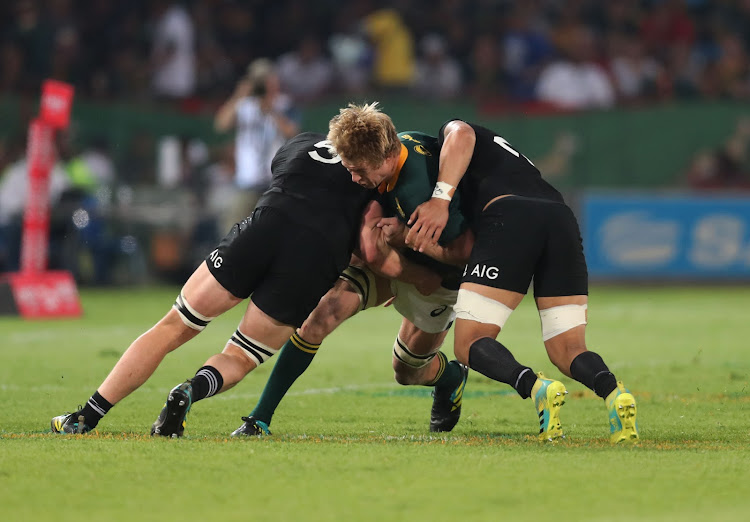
(497, 168)
(311, 186)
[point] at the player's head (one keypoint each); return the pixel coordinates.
(367, 142)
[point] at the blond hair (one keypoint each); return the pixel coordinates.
(363, 134)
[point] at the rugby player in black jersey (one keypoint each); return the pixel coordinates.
(287, 254)
(377, 277)
(524, 231)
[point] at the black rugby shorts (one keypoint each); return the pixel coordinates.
(520, 238)
(286, 267)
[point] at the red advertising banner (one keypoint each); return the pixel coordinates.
(45, 294)
(57, 100)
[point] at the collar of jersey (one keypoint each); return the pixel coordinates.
(391, 183)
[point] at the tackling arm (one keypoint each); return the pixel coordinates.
(385, 260)
(428, 219)
(455, 253)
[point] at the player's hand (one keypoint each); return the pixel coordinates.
(394, 231)
(429, 284)
(427, 223)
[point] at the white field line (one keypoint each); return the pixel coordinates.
(54, 388)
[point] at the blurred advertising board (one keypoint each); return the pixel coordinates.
(652, 236)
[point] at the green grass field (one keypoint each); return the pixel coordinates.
(350, 444)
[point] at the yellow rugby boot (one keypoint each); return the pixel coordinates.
(623, 427)
(549, 396)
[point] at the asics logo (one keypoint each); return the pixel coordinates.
(439, 310)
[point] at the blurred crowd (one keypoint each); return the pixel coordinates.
(573, 54)
(254, 65)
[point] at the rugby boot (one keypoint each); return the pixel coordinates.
(446, 407)
(623, 427)
(70, 423)
(252, 428)
(549, 396)
(171, 420)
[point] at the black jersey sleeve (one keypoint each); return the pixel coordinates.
(497, 168)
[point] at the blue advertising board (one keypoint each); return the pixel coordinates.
(666, 236)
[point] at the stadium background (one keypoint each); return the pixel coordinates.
(663, 163)
(672, 116)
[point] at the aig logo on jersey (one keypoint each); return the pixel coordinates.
(483, 271)
(216, 258)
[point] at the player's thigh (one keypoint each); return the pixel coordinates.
(338, 304)
(259, 327)
(510, 239)
(244, 257)
(432, 313)
(372, 289)
(305, 268)
(561, 271)
(419, 341)
(205, 295)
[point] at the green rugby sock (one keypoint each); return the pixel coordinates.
(449, 375)
(291, 362)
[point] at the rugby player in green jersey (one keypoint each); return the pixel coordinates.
(381, 274)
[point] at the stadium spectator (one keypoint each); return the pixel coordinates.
(395, 63)
(306, 73)
(526, 50)
(264, 118)
(172, 50)
(439, 75)
(485, 67)
(576, 81)
(635, 74)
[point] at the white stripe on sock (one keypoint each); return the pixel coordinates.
(519, 377)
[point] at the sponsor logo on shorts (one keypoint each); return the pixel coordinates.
(483, 271)
(216, 259)
(439, 310)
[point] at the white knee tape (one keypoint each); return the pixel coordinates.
(476, 307)
(255, 350)
(559, 319)
(403, 354)
(189, 315)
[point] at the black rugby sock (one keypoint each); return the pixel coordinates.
(207, 382)
(96, 408)
(492, 359)
(590, 370)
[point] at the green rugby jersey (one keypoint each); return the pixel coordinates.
(412, 185)
(414, 182)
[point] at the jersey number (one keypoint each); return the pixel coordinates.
(325, 144)
(504, 144)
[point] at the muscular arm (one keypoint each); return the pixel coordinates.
(455, 253)
(385, 260)
(428, 219)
